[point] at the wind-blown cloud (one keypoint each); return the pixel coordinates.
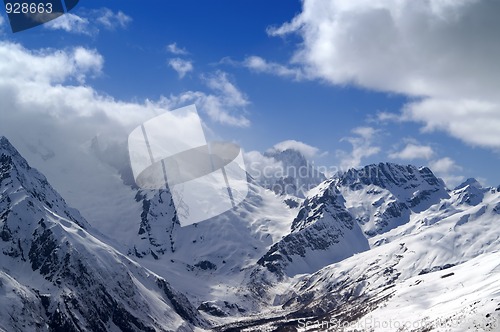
(45, 91)
(262, 168)
(111, 20)
(174, 49)
(445, 53)
(63, 126)
(70, 23)
(260, 65)
(362, 147)
(226, 104)
(181, 66)
(80, 24)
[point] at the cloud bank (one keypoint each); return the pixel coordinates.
(443, 53)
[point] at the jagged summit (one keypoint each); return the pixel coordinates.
(337, 219)
(386, 175)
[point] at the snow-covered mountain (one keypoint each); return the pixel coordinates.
(339, 217)
(363, 246)
(442, 236)
(55, 275)
(285, 172)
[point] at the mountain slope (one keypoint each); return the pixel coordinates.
(339, 217)
(448, 238)
(362, 246)
(57, 276)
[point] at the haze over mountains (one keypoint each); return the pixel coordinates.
(383, 242)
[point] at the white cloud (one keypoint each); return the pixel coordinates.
(443, 52)
(42, 95)
(306, 150)
(261, 167)
(445, 168)
(412, 151)
(224, 105)
(81, 24)
(174, 49)
(473, 121)
(53, 118)
(110, 20)
(260, 65)
(388, 116)
(182, 67)
(362, 147)
(47, 67)
(444, 165)
(70, 23)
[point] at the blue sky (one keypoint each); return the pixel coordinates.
(358, 83)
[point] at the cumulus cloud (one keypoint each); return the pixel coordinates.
(181, 66)
(19, 66)
(174, 49)
(412, 151)
(306, 150)
(446, 168)
(362, 147)
(445, 53)
(43, 92)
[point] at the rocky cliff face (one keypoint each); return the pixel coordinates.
(59, 277)
(339, 217)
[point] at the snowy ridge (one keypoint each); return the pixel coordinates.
(57, 276)
(383, 241)
(322, 233)
(338, 217)
(449, 236)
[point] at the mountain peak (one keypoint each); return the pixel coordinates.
(7, 148)
(16, 176)
(288, 156)
(296, 175)
(469, 182)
